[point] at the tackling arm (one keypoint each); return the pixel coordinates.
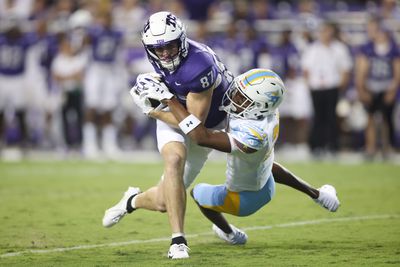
(201, 135)
(197, 104)
(164, 116)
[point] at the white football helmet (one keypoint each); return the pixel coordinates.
(260, 93)
(161, 29)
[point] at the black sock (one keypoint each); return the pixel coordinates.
(178, 240)
(129, 207)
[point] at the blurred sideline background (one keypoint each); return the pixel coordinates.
(53, 52)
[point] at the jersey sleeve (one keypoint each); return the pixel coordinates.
(250, 136)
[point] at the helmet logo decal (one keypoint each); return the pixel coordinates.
(146, 27)
(258, 75)
(273, 97)
(171, 20)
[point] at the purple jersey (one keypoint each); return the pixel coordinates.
(380, 66)
(198, 72)
(13, 53)
(249, 52)
(105, 44)
(284, 58)
(134, 56)
(48, 50)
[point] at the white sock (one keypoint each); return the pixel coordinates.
(89, 134)
(109, 137)
(89, 131)
(133, 202)
(178, 234)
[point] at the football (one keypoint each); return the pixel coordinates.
(154, 103)
(157, 105)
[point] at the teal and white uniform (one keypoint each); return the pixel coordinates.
(249, 182)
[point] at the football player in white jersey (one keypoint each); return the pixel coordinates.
(251, 102)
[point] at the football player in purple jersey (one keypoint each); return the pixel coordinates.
(102, 84)
(15, 93)
(377, 81)
(199, 80)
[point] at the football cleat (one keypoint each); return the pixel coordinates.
(178, 251)
(328, 198)
(237, 237)
(114, 214)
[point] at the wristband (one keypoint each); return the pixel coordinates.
(189, 123)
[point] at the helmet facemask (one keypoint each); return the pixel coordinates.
(237, 103)
(171, 64)
(253, 95)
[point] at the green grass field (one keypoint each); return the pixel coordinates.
(50, 215)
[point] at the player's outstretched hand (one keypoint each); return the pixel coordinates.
(328, 198)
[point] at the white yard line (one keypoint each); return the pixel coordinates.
(253, 228)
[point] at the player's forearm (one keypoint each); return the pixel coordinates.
(166, 117)
(217, 140)
(200, 135)
(284, 176)
(177, 109)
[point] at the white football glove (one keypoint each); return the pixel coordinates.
(141, 101)
(328, 198)
(159, 92)
(146, 80)
(150, 86)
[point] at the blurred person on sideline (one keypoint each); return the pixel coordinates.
(295, 111)
(378, 81)
(251, 103)
(134, 121)
(39, 77)
(389, 10)
(326, 66)
(68, 70)
(15, 94)
(128, 16)
(103, 83)
(226, 46)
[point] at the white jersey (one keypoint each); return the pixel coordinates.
(251, 171)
